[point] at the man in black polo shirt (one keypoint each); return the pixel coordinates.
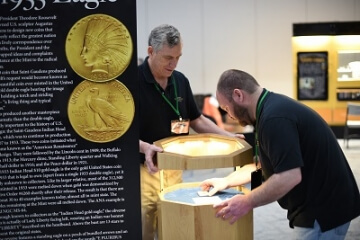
(302, 163)
(166, 107)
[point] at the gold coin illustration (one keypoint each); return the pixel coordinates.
(99, 47)
(101, 112)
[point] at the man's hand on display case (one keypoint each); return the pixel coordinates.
(150, 157)
(213, 185)
(239, 135)
(234, 208)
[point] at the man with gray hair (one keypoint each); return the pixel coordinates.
(165, 103)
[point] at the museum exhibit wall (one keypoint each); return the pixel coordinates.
(254, 36)
(68, 120)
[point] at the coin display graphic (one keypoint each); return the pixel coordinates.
(101, 112)
(99, 48)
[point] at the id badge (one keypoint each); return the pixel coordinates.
(180, 126)
(256, 178)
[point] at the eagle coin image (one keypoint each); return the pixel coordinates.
(101, 112)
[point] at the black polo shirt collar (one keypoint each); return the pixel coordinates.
(149, 78)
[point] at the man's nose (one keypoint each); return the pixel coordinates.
(173, 63)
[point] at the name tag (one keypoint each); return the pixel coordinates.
(180, 126)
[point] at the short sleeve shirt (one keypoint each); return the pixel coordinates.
(155, 113)
(291, 135)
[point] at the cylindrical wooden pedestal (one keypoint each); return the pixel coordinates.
(184, 221)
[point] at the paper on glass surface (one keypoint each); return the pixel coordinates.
(207, 200)
(203, 193)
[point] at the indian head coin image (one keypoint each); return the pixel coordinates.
(99, 48)
(101, 112)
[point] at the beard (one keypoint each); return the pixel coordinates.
(242, 115)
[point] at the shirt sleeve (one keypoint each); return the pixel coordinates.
(279, 142)
(188, 110)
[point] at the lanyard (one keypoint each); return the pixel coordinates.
(256, 126)
(176, 110)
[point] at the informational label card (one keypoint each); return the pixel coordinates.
(69, 165)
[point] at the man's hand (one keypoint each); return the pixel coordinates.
(233, 208)
(239, 135)
(271, 190)
(150, 158)
(214, 185)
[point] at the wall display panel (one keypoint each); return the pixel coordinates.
(348, 65)
(340, 40)
(312, 75)
(68, 124)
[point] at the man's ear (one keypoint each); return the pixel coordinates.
(150, 50)
(237, 95)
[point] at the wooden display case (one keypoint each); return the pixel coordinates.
(196, 221)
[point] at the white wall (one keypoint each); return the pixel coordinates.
(254, 36)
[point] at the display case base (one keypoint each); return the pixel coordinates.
(185, 221)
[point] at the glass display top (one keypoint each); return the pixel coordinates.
(190, 196)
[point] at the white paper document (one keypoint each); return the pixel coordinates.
(206, 200)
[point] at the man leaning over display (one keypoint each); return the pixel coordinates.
(302, 163)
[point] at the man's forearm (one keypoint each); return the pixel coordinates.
(240, 176)
(275, 187)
